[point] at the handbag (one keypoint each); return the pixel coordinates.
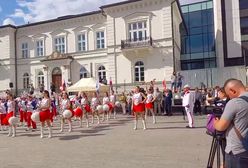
(210, 124)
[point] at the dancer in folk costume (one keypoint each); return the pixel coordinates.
(22, 105)
(95, 103)
(112, 102)
(45, 117)
(149, 105)
(10, 113)
(85, 104)
(66, 105)
(31, 106)
(78, 112)
(107, 106)
(3, 112)
(138, 107)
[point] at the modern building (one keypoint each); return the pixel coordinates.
(215, 47)
(130, 42)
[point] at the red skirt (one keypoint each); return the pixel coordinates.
(140, 108)
(45, 115)
(110, 106)
(149, 105)
(78, 112)
(6, 119)
(87, 108)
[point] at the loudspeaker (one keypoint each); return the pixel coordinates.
(11, 85)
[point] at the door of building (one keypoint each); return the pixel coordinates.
(57, 79)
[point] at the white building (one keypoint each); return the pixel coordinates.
(130, 42)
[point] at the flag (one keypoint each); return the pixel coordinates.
(97, 86)
(111, 84)
(164, 84)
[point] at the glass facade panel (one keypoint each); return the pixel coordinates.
(198, 46)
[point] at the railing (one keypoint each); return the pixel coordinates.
(136, 43)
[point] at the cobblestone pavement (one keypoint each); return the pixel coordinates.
(167, 144)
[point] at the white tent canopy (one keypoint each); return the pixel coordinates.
(88, 85)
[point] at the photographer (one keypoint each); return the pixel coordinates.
(234, 121)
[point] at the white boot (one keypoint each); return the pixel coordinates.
(92, 119)
(50, 132)
(87, 123)
(41, 132)
(154, 119)
(98, 120)
(107, 116)
(70, 126)
(114, 114)
(135, 124)
(144, 124)
(14, 131)
(10, 131)
(103, 117)
(62, 126)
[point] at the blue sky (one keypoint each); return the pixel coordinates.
(23, 11)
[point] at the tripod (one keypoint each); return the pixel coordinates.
(218, 144)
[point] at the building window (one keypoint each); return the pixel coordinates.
(139, 70)
(39, 48)
(81, 42)
(137, 31)
(60, 44)
(24, 50)
(100, 40)
(25, 81)
(40, 79)
(83, 73)
(198, 45)
(102, 74)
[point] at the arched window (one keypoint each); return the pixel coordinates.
(102, 74)
(25, 81)
(40, 79)
(139, 70)
(83, 73)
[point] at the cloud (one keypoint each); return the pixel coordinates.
(38, 10)
(8, 21)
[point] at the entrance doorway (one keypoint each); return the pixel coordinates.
(56, 79)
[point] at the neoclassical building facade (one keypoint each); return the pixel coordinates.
(130, 42)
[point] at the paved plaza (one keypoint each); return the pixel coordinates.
(167, 144)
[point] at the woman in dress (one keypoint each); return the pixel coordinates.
(45, 117)
(31, 105)
(66, 105)
(106, 101)
(95, 102)
(78, 112)
(138, 107)
(85, 107)
(149, 105)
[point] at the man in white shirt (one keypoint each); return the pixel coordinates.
(188, 104)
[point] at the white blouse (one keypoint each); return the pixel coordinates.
(94, 101)
(2, 108)
(105, 100)
(64, 104)
(137, 98)
(44, 103)
(149, 98)
(112, 98)
(11, 106)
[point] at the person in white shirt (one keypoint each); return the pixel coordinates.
(30, 110)
(23, 110)
(188, 103)
(45, 116)
(106, 101)
(138, 107)
(149, 105)
(86, 107)
(66, 105)
(3, 112)
(10, 113)
(112, 98)
(94, 103)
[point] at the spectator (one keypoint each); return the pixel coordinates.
(129, 103)
(198, 100)
(42, 87)
(234, 121)
(167, 102)
(123, 101)
(158, 101)
(179, 82)
(173, 81)
(52, 87)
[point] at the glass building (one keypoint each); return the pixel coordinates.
(198, 41)
(243, 6)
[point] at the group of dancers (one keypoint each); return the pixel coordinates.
(44, 110)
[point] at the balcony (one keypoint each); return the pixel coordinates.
(136, 43)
